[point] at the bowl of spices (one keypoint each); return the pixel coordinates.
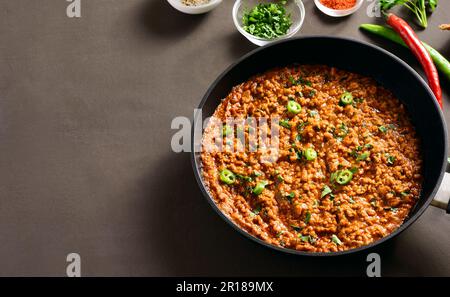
(338, 8)
(266, 21)
(194, 6)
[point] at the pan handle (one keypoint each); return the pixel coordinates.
(442, 197)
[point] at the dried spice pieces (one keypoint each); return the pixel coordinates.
(339, 4)
(194, 2)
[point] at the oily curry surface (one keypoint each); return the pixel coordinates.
(348, 165)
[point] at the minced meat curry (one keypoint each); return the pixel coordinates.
(348, 165)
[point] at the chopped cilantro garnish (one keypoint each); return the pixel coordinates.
(267, 20)
(336, 240)
(285, 124)
(382, 129)
(325, 191)
(307, 217)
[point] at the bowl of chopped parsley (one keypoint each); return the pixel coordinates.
(265, 21)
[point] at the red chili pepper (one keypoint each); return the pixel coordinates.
(410, 38)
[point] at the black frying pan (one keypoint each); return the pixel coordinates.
(354, 56)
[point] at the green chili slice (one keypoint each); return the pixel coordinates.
(259, 188)
(227, 177)
(310, 154)
(343, 177)
(346, 99)
(293, 107)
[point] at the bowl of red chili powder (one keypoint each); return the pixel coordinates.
(338, 8)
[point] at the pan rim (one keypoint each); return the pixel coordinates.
(404, 226)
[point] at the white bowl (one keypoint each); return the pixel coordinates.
(338, 12)
(294, 7)
(199, 9)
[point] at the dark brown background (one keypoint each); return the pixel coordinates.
(85, 158)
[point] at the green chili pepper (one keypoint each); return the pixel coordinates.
(310, 154)
(346, 99)
(440, 61)
(343, 177)
(260, 187)
(293, 107)
(227, 176)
